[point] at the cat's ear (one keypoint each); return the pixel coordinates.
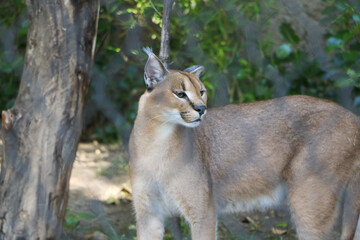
(197, 70)
(154, 70)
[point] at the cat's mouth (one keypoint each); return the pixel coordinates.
(196, 120)
(193, 119)
(189, 118)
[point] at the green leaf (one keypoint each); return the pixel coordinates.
(283, 51)
(340, 5)
(345, 82)
(243, 62)
(209, 86)
(282, 224)
(334, 43)
(288, 33)
(351, 56)
(85, 215)
(351, 73)
(243, 73)
(248, 97)
(115, 49)
(356, 18)
(71, 222)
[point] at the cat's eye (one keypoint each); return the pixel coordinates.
(202, 92)
(180, 94)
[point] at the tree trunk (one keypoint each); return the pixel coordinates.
(42, 130)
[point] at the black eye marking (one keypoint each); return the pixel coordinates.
(180, 94)
(202, 92)
(183, 86)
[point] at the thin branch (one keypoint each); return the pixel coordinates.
(155, 9)
(101, 44)
(165, 32)
(165, 57)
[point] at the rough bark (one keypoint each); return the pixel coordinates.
(165, 32)
(41, 132)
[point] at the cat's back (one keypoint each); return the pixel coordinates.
(292, 111)
(271, 129)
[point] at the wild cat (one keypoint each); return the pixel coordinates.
(188, 160)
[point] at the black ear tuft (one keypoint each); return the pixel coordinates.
(196, 70)
(154, 69)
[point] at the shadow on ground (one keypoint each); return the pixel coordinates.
(100, 206)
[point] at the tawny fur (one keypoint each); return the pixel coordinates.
(242, 157)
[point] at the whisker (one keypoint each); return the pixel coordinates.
(153, 118)
(159, 116)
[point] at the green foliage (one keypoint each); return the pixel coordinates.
(11, 60)
(249, 84)
(72, 220)
(283, 51)
(10, 11)
(289, 33)
(107, 133)
(352, 79)
(10, 80)
(282, 224)
(210, 33)
(343, 42)
(121, 67)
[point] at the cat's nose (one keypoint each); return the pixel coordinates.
(200, 109)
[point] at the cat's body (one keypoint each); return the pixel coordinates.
(240, 158)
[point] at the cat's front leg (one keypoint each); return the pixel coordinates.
(149, 216)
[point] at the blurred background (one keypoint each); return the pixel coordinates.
(252, 50)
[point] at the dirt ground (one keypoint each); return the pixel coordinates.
(100, 187)
(100, 203)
